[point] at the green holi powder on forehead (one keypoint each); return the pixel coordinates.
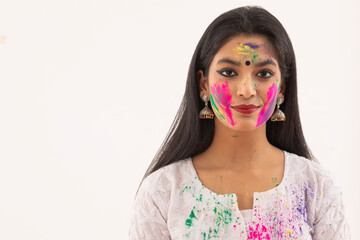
(235, 135)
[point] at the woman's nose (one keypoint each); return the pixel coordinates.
(246, 88)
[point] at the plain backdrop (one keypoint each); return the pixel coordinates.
(89, 89)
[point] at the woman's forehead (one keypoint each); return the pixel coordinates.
(251, 40)
(245, 47)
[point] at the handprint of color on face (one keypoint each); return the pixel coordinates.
(268, 108)
(221, 100)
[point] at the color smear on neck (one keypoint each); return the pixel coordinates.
(222, 101)
(268, 108)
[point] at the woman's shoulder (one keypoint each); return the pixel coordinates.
(302, 165)
(314, 173)
(163, 178)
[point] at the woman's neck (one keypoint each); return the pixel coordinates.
(231, 149)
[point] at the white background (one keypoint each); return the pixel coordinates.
(89, 89)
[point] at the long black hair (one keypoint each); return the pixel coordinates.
(189, 135)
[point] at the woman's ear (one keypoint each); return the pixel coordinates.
(203, 83)
(282, 89)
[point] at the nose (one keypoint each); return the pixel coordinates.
(246, 87)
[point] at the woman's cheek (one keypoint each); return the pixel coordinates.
(220, 98)
(269, 105)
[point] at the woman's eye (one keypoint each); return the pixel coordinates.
(265, 74)
(227, 73)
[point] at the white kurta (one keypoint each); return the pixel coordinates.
(172, 203)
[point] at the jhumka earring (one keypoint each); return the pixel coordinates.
(278, 115)
(206, 112)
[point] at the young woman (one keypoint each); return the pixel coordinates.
(234, 165)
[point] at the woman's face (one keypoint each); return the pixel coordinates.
(243, 71)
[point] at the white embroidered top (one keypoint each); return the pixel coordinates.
(246, 214)
(172, 203)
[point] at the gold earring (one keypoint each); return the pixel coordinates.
(206, 112)
(278, 115)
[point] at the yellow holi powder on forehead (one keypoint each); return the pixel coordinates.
(245, 50)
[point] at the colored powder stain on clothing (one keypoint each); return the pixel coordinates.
(259, 232)
(283, 216)
(222, 217)
(266, 227)
(268, 108)
(189, 221)
(185, 188)
(222, 101)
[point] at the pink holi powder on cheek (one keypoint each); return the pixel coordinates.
(268, 109)
(222, 102)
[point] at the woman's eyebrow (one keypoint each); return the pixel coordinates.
(228, 60)
(257, 64)
(263, 63)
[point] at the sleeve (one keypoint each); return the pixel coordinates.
(147, 222)
(331, 224)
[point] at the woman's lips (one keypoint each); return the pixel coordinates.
(245, 106)
(246, 109)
